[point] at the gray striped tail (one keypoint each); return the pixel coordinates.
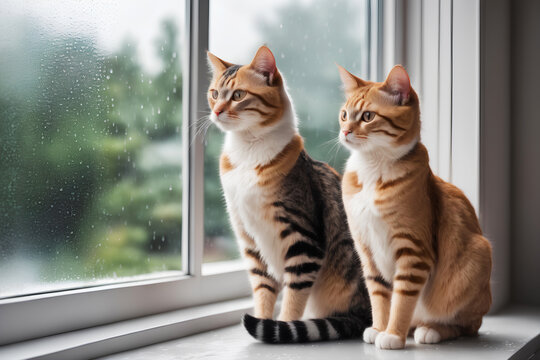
(281, 332)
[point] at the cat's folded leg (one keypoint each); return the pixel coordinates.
(432, 333)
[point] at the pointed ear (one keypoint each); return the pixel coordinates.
(264, 63)
(350, 82)
(398, 85)
(216, 63)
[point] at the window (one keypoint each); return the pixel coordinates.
(98, 103)
(105, 173)
(91, 134)
(307, 38)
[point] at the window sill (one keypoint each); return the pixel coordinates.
(130, 334)
(510, 333)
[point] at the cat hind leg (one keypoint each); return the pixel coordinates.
(433, 333)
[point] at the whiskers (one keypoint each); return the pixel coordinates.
(201, 127)
(335, 147)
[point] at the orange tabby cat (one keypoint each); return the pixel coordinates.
(425, 260)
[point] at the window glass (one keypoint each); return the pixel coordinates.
(90, 141)
(307, 37)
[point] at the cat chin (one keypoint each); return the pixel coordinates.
(355, 146)
(225, 127)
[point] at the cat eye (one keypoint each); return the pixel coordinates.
(343, 115)
(238, 95)
(367, 116)
(215, 94)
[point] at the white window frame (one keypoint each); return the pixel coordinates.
(462, 69)
(41, 315)
(444, 61)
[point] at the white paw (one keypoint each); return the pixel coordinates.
(370, 334)
(425, 335)
(389, 341)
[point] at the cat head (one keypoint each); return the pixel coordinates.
(248, 97)
(379, 117)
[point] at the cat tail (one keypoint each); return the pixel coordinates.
(281, 332)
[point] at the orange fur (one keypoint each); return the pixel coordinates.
(285, 208)
(225, 164)
(350, 183)
(442, 261)
(282, 163)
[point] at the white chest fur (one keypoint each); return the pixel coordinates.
(246, 198)
(365, 221)
(249, 202)
(367, 225)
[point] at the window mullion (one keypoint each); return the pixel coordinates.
(445, 91)
(198, 78)
(375, 39)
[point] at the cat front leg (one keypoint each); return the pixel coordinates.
(264, 287)
(413, 265)
(380, 292)
(302, 263)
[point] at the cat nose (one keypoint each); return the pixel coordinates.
(346, 132)
(218, 112)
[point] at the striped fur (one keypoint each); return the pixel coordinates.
(426, 262)
(286, 211)
(282, 332)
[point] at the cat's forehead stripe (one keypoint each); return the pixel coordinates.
(231, 71)
(228, 75)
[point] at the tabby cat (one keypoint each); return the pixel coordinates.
(426, 263)
(285, 209)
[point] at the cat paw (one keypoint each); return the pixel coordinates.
(389, 341)
(425, 335)
(370, 334)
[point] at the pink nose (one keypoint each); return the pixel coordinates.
(218, 112)
(346, 132)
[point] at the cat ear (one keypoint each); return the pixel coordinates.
(216, 63)
(350, 82)
(398, 85)
(264, 63)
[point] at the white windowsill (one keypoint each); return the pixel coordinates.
(503, 335)
(130, 334)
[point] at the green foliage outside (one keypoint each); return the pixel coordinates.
(86, 190)
(90, 144)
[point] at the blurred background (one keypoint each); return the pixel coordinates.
(91, 126)
(90, 141)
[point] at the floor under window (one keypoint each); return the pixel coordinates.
(501, 336)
